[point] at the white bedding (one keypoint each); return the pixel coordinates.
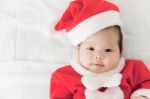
(30, 49)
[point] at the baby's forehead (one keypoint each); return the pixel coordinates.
(99, 43)
(87, 42)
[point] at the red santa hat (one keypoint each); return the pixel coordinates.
(85, 17)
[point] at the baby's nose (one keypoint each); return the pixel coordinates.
(99, 57)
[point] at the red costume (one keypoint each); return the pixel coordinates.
(66, 82)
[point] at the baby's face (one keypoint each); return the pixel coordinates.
(100, 52)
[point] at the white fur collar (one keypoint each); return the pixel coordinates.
(96, 82)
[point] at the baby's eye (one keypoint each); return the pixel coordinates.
(91, 48)
(108, 50)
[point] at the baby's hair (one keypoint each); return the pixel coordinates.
(118, 29)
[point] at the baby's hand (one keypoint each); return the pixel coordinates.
(139, 97)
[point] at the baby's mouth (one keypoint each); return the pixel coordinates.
(97, 64)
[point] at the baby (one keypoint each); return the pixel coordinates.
(97, 69)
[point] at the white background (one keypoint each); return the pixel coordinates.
(30, 49)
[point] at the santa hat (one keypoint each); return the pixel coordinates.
(85, 17)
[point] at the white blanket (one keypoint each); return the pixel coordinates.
(30, 49)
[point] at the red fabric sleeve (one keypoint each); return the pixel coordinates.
(58, 89)
(142, 76)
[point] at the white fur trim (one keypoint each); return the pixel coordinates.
(110, 93)
(81, 70)
(93, 25)
(96, 82)
(143, 92)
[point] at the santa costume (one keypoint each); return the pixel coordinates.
(129, 79)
